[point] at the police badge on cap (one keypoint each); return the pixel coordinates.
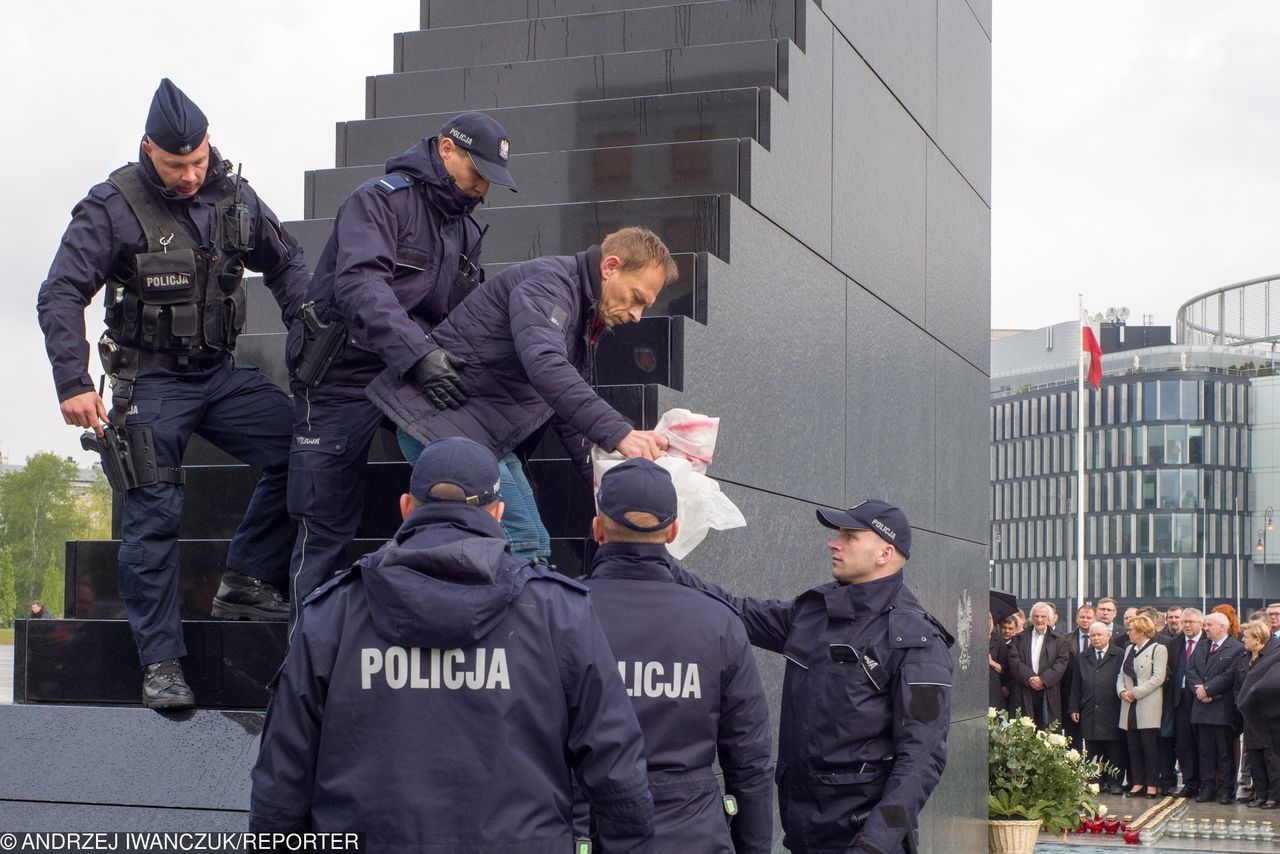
(174, 122)
(485, 140)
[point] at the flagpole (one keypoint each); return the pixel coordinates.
(1080, 492)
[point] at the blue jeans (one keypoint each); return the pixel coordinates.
(526, 533)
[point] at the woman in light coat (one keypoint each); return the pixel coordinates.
(1142, 703)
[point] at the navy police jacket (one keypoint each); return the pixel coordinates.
(866, 705)
(529, 338)
(440, 697)
(389, 272)
(103, 238)
(697, 693)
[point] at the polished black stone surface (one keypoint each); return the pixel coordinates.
(577, 34)
(614, 75)
(564, 498)
(606, 123)
(228, 664)
(639, 353)
(686, 224)
(601, 174)
(457, 13)
(216, 497)
(93, 585)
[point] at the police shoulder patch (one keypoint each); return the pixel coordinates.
(393, 181)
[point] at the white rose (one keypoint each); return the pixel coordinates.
(991, 712)
(1058, 740)
(1095, 788)
(1102, 810)
(1073, 755)
(1027, 722)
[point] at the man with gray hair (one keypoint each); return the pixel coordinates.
(1038, 660)
(1212, 671)
(1178, 718)
(1094, 705)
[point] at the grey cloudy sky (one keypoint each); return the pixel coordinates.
(1134, 144)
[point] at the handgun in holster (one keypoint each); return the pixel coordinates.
(321, 343)
(117, 457)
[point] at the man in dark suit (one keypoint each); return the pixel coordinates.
(1094, 706)
(1003, 605)
(1108, 608)
(1077, 642)
(1184, 699)
(1212, 673)
(1037, 661)
(1273, 622)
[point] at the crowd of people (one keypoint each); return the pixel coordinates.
(1177, 702)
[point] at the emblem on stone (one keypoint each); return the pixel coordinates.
(964, 628)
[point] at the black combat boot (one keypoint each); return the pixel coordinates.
(164, 687)
(243, 597)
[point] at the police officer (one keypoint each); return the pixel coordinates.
(866, 699)
(694, 685)
(404, 250)
(526, 340)
(169, 237)
(440, 694)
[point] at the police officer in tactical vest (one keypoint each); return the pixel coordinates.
(403, 252)
(168, 239)
(866, 699)
(441, 694)
(694, 684)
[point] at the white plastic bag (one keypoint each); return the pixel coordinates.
(701, 504)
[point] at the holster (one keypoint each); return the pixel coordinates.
(321, 343)
(128, 457)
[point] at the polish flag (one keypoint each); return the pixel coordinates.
(1090, 339)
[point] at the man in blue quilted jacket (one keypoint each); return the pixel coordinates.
(525, 342)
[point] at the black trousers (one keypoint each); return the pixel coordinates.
(1217, 758)
(1112, 751)
(1144, 756)
(1184, 741)
(1168, 762)
(1255, 759)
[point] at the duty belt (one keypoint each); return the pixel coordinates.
(150, 360)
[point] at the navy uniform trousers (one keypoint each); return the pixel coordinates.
(245, 414)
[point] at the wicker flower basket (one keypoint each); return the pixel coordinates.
(1005, 836)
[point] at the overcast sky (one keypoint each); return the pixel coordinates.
(1135, 145)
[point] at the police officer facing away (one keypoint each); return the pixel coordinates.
(169, 237)
(527, 340)
(694, 684)
(866, 699)
(441, 694)
(404, 250)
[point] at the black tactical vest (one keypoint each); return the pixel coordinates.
(181, 298)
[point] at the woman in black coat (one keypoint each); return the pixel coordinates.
(1094, 704)
(1258, 752)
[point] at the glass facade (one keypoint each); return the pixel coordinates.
(1166, 484)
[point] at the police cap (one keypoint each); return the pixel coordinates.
(873, 515)
(175, 123)
(638, 486)
(485, 140)
(458, 461)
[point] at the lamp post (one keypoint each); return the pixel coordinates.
(1261, 548)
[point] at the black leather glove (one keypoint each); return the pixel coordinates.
(437, 375)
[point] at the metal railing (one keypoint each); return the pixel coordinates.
(1232, 315)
